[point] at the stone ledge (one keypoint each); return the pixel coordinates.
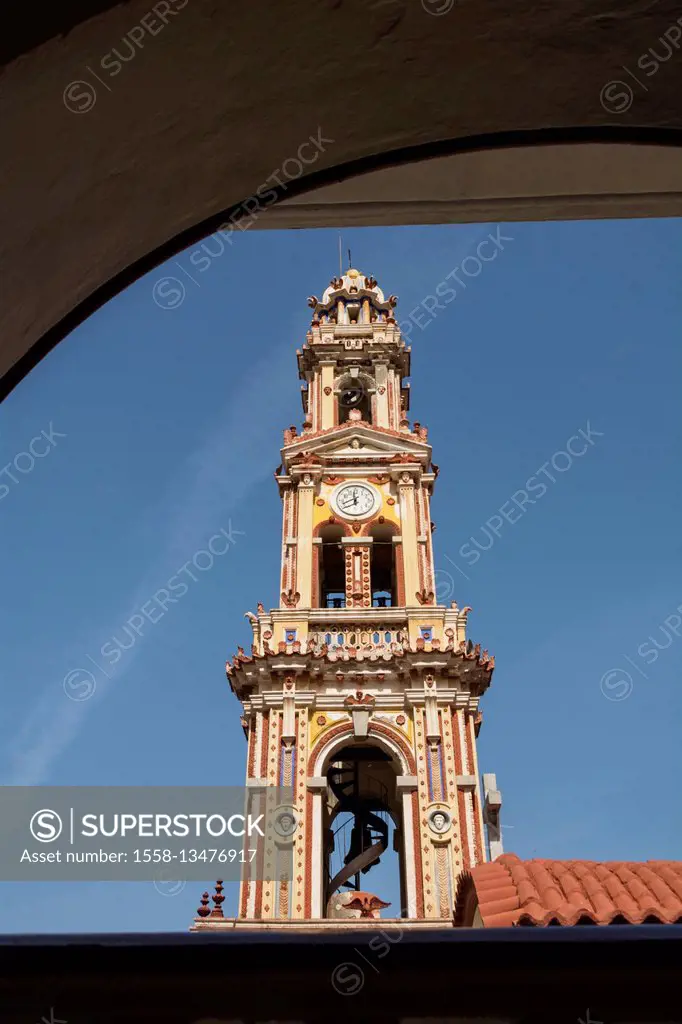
(325, 924)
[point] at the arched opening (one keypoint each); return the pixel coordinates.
(362, 826)
(332, 576)
(354, 392)
(383, 574)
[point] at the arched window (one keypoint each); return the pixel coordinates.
(332, 576)
(383, 575)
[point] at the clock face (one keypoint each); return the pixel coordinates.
(356, 500)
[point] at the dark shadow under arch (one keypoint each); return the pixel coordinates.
(614, 134)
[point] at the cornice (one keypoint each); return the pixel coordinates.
(464, 668)
(384, 699)
(415, 443)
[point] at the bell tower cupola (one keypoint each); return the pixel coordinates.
(354, 358)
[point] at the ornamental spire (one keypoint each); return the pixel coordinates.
(353, 298)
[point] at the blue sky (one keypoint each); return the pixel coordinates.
(172, 420)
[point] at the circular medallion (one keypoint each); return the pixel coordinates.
(285, 822)
(439, 820)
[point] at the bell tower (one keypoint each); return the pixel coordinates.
(360, 691)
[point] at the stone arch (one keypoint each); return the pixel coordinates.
(595, 170)
(385, 737)
(393, 530)
(380, 735)
(575, 149)
(332, 521)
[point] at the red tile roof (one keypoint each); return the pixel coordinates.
(510, 891)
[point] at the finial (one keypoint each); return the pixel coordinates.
(218, 899)
(204, 910)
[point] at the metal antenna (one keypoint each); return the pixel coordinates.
(340, 259)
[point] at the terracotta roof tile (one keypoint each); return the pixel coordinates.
(510, 891)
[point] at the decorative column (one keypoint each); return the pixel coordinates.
(438, 811)
(395, 409)
(315, 839)
(426, 580)
(381, 397)
(256, 729)
(406, 786)
(433, 738)
(450, 781)
(269, 886)
(288, 537)
(476, 792)
(466, 784)
(327, 417)
(358, 583)
(301, 851)
(427, 873)
(409, 537)
(284, 856)
(304, 538)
